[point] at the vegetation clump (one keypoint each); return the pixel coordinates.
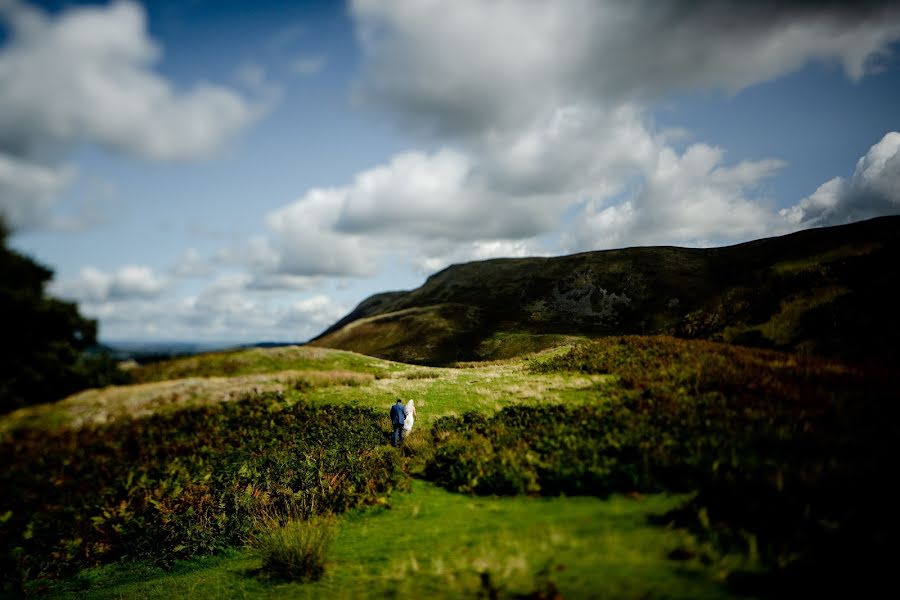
(296, 550)
(789, 456)
(181, 484)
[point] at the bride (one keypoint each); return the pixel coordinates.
(410, 417)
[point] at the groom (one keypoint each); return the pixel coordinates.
(398, 416)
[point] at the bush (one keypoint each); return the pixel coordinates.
(180, 484)
(792, 452)
(296, 550)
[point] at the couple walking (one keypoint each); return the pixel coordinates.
(402, 418)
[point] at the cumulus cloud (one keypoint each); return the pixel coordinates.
(127, 283)
(541, 108)
(28, 191)
(317, 312)
(416, 202)
(433, 195)
(221, 312)
(305, 241)
(690, 199)
(432, 257)
(467, 66)
(508, 192)
(191, 264)
(546, 104)
(86, 76)
(279, 282)
(872, 191)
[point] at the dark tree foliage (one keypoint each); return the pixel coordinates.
(43, 355)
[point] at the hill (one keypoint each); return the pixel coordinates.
(824, 291)
(763, 472)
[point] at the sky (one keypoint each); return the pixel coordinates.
(234, 172)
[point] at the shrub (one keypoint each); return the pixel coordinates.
(792, 452)
(296, 550)
(179, 484)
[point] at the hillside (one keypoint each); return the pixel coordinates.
(531, 477)
(822, 291)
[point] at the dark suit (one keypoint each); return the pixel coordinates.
(398, 416)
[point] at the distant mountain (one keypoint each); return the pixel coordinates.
(143, 351)
(825, 291)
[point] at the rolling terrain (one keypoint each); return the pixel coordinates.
(576, 462)
(826, 291)
(632, 467)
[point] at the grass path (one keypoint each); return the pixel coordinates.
(430, 543)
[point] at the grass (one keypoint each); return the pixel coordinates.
(501, 308)
(97, 406)
(445, 543)
(815, 262)
(782, 327)
(296, 549)
(376, 383)
(504, 345)
(431, 543)
(448, 392)
(261, 360)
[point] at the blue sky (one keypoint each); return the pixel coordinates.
(237, 172)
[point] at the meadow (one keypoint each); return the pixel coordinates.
(619, 467)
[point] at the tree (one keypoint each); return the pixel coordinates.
(43, 350)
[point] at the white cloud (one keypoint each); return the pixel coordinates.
(439, 195)
(873, 190)
(279, 282)
(545, 107)
(28, 191)
(432, 207)
(466, 66)
(128, 282)
(318, 311)
(306, 244)
(255, 254)
(547, 101)
(430, 258)
(221, 312)
(688, 199)
(191, 265)
(85, 76)
(509, 193)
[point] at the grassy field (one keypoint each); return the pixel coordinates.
(748, 453)
(431, 543)
(311, 375)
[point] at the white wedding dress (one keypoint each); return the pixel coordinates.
(410, 417)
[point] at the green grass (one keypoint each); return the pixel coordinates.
(504, 345)
(431, 543)
(443, 542)
(782, 327)
(295, 549)
(262, 360)
(811, 263)
(437, 392)
(207, 378)
(443, 392)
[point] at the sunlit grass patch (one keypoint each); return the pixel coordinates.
(98, 406)
(234, 363)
